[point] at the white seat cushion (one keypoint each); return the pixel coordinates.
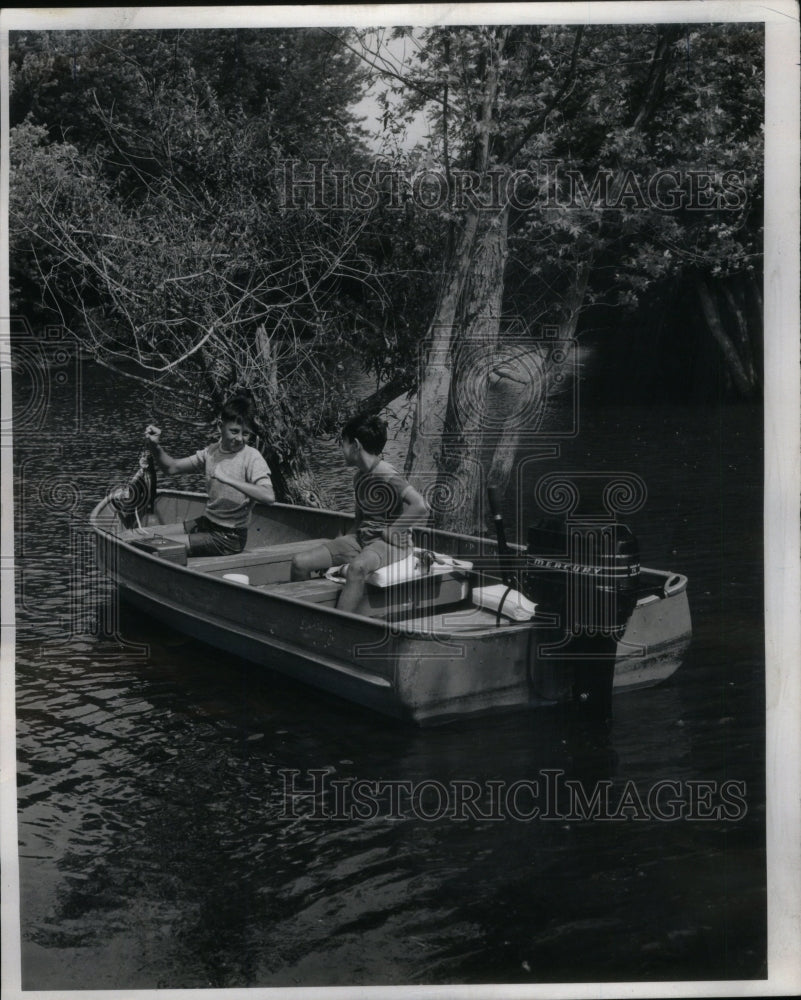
(411, 568)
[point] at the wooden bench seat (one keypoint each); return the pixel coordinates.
(264, 564)
(381, 602)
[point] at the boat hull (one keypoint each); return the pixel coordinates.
(449, 665)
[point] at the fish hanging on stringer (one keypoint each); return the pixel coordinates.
(138, 496)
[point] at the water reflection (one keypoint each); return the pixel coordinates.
(156, 844)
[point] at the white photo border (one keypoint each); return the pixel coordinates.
(782, 484)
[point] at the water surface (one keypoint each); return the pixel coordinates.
(156, 846)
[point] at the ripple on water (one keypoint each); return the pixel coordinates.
(158, 849)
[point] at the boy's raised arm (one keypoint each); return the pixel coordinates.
(165, 462)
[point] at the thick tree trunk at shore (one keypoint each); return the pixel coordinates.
(424, 458)
(509, 389)
(461, 481)
(434, 386)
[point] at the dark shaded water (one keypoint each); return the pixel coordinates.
(157, 849)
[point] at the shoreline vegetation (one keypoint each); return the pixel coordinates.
(582, 218)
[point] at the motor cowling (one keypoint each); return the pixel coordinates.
(588, 573)
(585, 576)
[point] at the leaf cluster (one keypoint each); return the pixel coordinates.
(631, 101)
(150, 211)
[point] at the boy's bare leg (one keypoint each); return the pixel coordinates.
(305, 563)
(365, 563)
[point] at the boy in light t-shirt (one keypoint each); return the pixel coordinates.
(236, 477)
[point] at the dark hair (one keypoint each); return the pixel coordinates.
(369, 430)
(240, 406)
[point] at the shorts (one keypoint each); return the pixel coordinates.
(345, 549)
(209, 539)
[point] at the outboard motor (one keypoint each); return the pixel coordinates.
(585, 574)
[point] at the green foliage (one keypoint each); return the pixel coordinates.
(150, 211)
(299, 82)
(632, 100)
(148, 207)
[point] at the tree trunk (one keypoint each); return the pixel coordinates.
(508, 391)
(435, 380)
(505, 393)
(461, 482)
(434, 386)
(753, 293)
(294, 481)
(743, 380)
(736, 301)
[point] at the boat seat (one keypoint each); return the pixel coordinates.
(411, 568)
(263, 564)
(435, 591)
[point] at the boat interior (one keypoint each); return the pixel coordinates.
(448, 595)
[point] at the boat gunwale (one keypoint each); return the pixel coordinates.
(398, 628)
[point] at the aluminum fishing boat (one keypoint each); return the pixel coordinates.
(462, 631)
